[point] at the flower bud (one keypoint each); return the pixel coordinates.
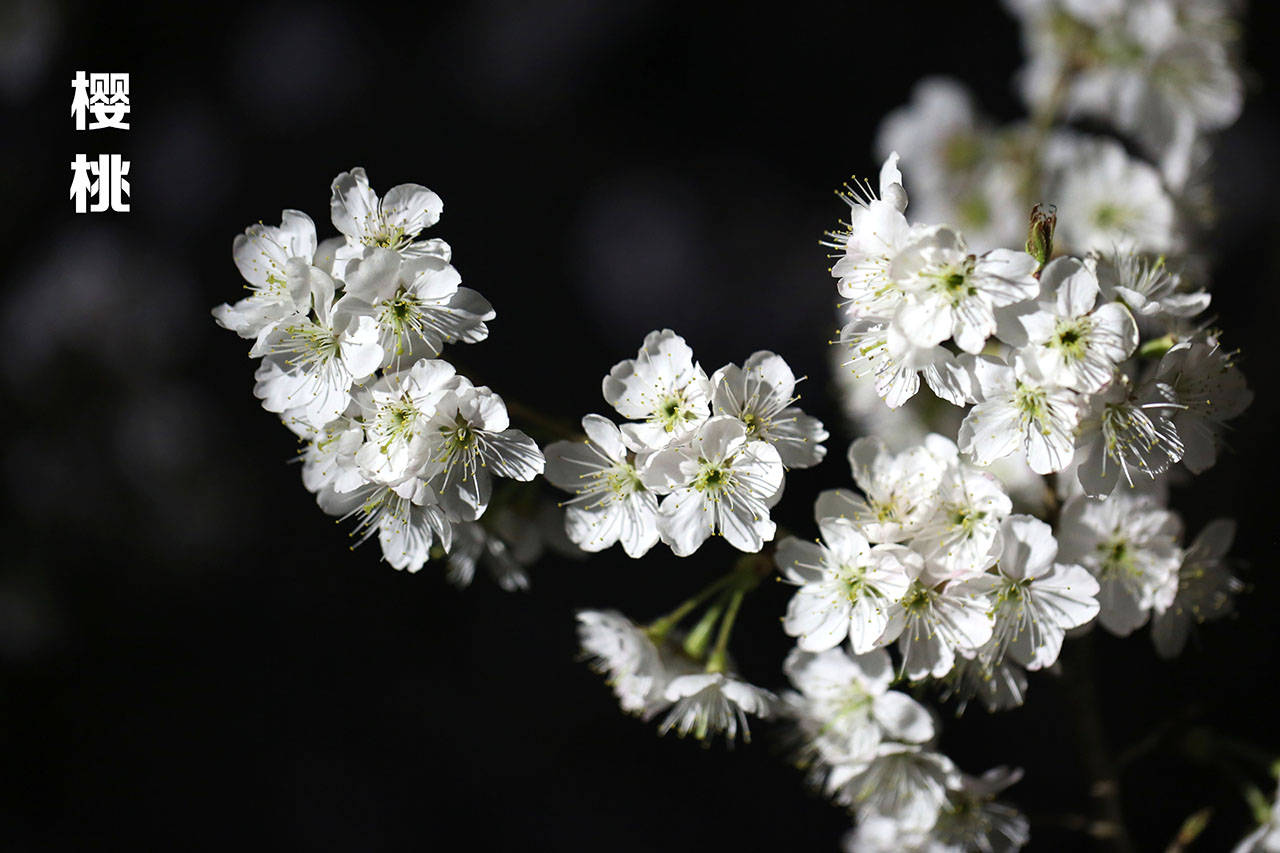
(1044, 218)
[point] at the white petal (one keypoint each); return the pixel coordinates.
(685, 521)
(513, 454)
(903, 718)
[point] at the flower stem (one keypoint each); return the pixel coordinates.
(719, 657)
(659, 627)
(695, 645)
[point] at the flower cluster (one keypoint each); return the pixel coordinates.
(658, 670)
(929, 557)
(983, 178)
(1162, 71)
(871, 748)
(1023, 497)
(1046, 351)
(349, 331)
(714, 449)
(1089, 370)
(1077, 377)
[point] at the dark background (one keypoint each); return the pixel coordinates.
(190, 656)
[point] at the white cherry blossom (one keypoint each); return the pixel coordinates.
(760, 394)
(951, 292)
(661, 386)
(408, 527)
(1147, 286)
(418, 302)
(1130, 545)
(876, 229)
(397, 411)
(470, 440)
(1074, 344)
(407, 520)
(904, 782)
(329, 460)
(879, 834)
(973, 819)
(877, 348)
(611, 503)
(262, 254)
(846, 586)
(710, 703)
(393, 221)
(720, 482)
(1036, 599)
(999, 685)
(313, 360)
(1210, 389)
(933, 623)
(844, 708)
(900, 491)
(1019, 409)
(1127, 433)
(958, 540)
(1206, 589)
(628, 657)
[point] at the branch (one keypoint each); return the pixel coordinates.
(1104, 788)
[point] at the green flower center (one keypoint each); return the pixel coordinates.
(953, 282)
(623, 480)
(398, 418)
(965, 520)
(1071, 337)
(1029, 401)
(855, 579)
(1118, 557)
(917, 598)
(1108, 216)
(388, 237)
(672, 411)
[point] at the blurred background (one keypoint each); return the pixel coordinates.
(190, 655)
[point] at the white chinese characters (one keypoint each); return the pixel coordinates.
(100, 101)
(102, 96)
(99, 184)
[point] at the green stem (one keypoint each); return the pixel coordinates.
(719, 657)
(661, 626)
(695, 645)
(1258, 803)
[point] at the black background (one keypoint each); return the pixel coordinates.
(190, 656)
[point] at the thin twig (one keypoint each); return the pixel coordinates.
(1104, 788)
